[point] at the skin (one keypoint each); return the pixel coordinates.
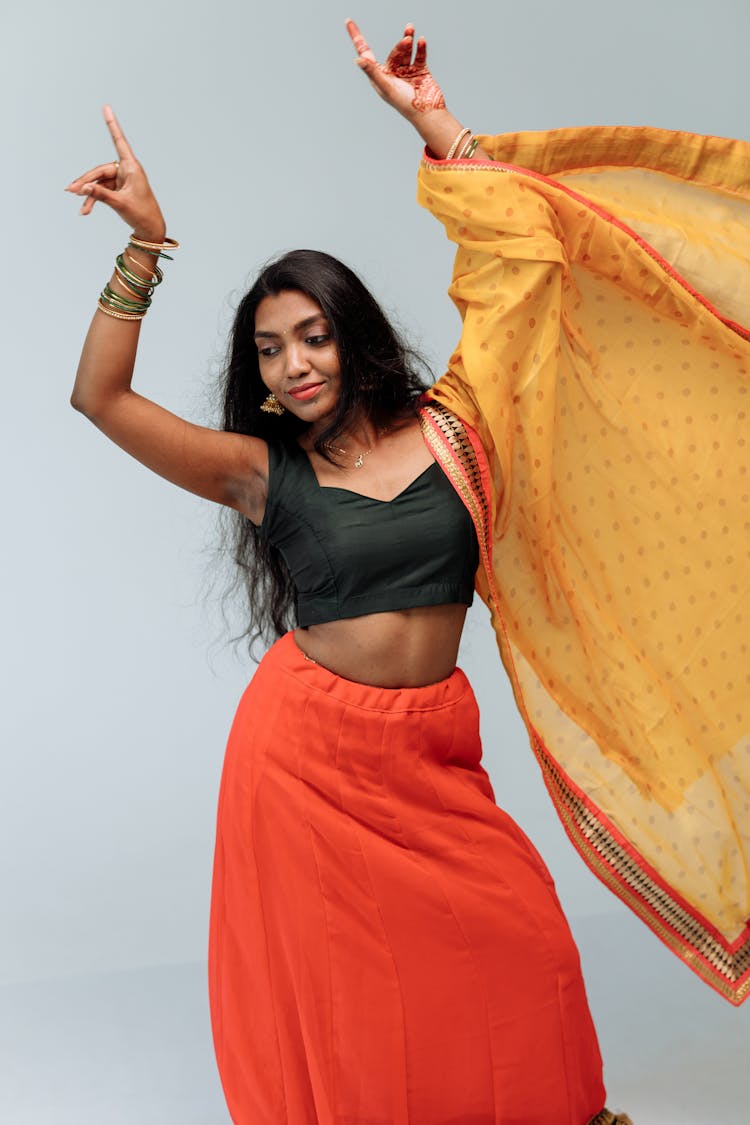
(405, 83)
(409, 648)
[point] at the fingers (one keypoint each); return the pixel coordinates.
(99, 183)
(407, 43)
(118, 137)
(400, 56)
(420, 58)
(95, 192)
(359, 41)
(106, 171)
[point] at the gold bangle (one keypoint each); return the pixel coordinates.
(135, 262)
(128, 285)
(118, 315)
(465, 148)
(125, 285)
(135, 278)
(138, 293)
(167, 244)
(452, 150)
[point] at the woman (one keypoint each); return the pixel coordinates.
(385, 943)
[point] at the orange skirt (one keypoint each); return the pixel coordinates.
(386, 945)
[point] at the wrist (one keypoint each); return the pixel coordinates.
(427, 121)
(151, 231)
(438, 129)
(150, 234)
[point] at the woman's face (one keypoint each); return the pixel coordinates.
(297, 355)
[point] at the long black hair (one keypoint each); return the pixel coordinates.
(381, 379)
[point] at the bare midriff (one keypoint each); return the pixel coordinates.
(406, 648)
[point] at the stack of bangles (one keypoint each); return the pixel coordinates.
(139, 287)
(464, 146)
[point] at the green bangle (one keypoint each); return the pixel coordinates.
(125, 304)
(134, 279)
(136, 289)
(121, 296)
(471, 149)
(156, 278)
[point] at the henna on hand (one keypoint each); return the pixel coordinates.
(427, 93)
(400, 78)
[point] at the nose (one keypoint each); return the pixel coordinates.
(297, 359)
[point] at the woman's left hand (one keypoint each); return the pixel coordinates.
(402, 81)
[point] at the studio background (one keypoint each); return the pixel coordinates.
(258, 135)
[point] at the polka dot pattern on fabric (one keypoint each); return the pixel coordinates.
(613, 399)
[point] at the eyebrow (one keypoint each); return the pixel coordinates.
(300, 324)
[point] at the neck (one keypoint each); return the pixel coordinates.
(361, 434)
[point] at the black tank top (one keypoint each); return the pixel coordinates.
(350, 555)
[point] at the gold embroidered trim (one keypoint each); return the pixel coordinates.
(680, 930)
(474, 166)
(459, 450)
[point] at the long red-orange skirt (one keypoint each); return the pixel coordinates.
(386, 946)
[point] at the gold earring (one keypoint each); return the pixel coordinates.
(271, 405)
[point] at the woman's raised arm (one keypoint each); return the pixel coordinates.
(405, 83)
(228, 468)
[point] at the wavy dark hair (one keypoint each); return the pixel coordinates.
(381, 378)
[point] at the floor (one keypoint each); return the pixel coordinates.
(135, 1049)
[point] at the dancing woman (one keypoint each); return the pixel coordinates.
(386, 945)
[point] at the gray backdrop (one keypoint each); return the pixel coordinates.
(258, 135)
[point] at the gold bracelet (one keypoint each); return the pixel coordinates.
(465, 148)
(125, 285)
(128, 285)
(135, 262)
(452, 150)
(167, 244)
(118, 315)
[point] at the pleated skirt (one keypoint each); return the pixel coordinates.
(386, 946)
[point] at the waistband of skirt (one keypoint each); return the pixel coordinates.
(286, 657)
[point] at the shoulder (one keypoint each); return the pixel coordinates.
(285, 481)
(284, 457)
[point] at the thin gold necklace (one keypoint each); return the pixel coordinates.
(359, 460)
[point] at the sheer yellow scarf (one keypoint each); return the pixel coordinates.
(603, 276)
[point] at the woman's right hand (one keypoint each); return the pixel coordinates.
(405, 83)
(123, 185)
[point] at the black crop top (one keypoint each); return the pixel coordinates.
(350, 554)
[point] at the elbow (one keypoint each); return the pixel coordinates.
(91, 408)
(80, 403)
(76, 402)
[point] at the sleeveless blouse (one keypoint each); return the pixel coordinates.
(350, 555)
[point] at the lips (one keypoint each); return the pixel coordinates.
(309, 390)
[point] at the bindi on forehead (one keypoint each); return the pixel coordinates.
(278, 334)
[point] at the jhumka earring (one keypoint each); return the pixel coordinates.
(271, 405)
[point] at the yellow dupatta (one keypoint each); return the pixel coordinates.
(603, 374)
